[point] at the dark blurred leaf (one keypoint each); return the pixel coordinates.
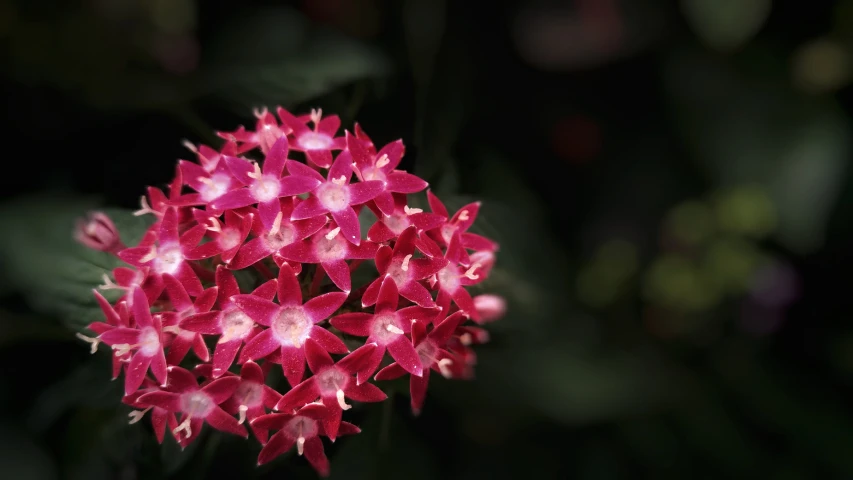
(275, 56)
(99, 443)
(41, 260)
(726, 24)
(749, 131)
(21, 458)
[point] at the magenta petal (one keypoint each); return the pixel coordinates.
(339, 274)
(171, 402)
(206, 323)
(348, 221)
(250, 253)
(252, 372)
(222, 388)
(366, 392)
(277, 156)
(189, 279)
(371, 293)
(158, 366)
(299, 169)
(297, 185)
(388, 296)
(240, 169)
(134, 255)
(277, 445)
(436, 206)
(120, 335)
(417, 390)
(358, 359)
(316, 355)
(319, 308)
(321, 158)
(293, 364)
(417, 293)
(141, 311)
(422, 268)
(308, 208)
(267, 290)
(379, 232)
(370, 365)
(267, 211)
(259, 346)
(465, 303)
(316, 456)
(224, 354)
(470, 211)
(289, 291)
(472, 241)
(405, 355)
(177, 294)
(364, 191)
(402, 182)
(390, 372)
(135, 374)
(328, 340)
(200, 348)
(238, 198)
(226, 283)
(258, 309)
(218, 419)
(329, 125)
(442, 332)
(385, 202)
(357, 323)
(168, 232)
(159, 420)
(365, 251)
(342, 167)
(302, 252)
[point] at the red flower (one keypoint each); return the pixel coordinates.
(198, 405)
(290, 324)
(332, 383)
(98, 232)
(184, 340)
(387, 328)
(317, 143)
(226, 240)
(160, 418)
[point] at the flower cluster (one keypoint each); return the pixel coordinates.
(291, 231)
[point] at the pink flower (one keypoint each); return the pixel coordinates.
(98, 232)
(335, 195)
(183, 340)
(489, 307)
(387, 328)
(226, 240)
(392, 224)
(267, 131)
(197, 405)
(460, 222)
(290, 324)
(251, 398)
(433, 355)
(332, 383)
(302, 428)
(317, 143)
(160, 418)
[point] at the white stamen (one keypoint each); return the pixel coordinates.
(241, 414)
(394, 329)
(150, 256)
(207, 181)
(294, 336)
(412, 211)
(343, 404)
(470, 272)
(137, 415)
(340, 180)
(276, 224)
(189, 146)
(214, 226)
(260, 113)
(146, 208)
(300, 445)
(405, 265)
(334, 233)
(382, 161)
(316, 116)
(172, 329)
(463, 215)
(93, 341)
(122, 349)
(184, 426)
(444, 367)
(256, 171)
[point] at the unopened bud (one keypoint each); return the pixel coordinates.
(98, 232)
(489, 307)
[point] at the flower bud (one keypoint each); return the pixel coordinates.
(98, 232)
(490, 307)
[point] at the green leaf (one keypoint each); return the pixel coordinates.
(275, 56)
(41, 260)
(726, 24)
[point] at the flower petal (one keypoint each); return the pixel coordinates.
(277, 445)
(388, 296)
(316, 456)
(221, 388)
(363, 191)
(308, 208)
(168, 401)
(259, 346)
(293, 364)
(328, 340)
(347, 220)
(277, 156)
(258, 309)
(402, 182)
(218, 419)
(339, 273)
(356, 323)
(289, 290)
(316, 356)
(299, 169)
(319, 308)
(404, 354)
(297, 185)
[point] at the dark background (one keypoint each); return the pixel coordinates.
(669, 182)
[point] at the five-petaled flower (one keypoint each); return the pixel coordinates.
(263, 256)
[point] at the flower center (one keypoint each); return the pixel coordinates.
(315, 141)
(235, 324)
(249, 394)
(282, 238)
(449, 278)
(196, 404)
(396, 272)
(168, 260)
(331, 380)
(149, 341)
(266, 188)
(385, 329)
(302, 427)
(396, 223)
(229, 238)
(447, 231)
(334, 197)
(426, 351)
(215, 187)
(292, 326)
(328, 250)
(373, 173)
